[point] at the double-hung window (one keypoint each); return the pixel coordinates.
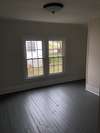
(55, 56)
(35, 60)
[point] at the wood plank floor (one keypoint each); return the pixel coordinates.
(65, 108)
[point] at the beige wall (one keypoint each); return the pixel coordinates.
(12, 33)
(93, 56)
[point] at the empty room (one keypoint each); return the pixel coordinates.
(49, 66)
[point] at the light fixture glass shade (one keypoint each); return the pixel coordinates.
(53, 7)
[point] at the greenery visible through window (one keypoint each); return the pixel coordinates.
(55, 56)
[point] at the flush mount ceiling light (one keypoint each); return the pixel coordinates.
(53, 7)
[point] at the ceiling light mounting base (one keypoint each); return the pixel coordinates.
(53, 7)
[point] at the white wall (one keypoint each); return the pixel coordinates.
(93, 57)
(11, 52)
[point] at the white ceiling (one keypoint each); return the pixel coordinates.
(74, 11)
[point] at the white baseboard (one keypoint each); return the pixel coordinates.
(93, 89)
(28, 86)
(32, 85)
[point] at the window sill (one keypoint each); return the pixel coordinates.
(48, 76)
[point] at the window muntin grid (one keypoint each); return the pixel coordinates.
(56, 56)
(34, 58)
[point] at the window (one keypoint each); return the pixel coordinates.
(34, 57)
(36, 64)
(55, 56)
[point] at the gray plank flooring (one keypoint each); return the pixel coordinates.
(65, 108)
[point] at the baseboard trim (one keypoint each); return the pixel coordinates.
(26, 86)
(93, 89)
(29, 86)
(43, 82)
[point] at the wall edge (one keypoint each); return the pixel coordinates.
(92, 89)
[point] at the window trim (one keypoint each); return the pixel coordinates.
(25, 61)
(58, 73)
(45, 56)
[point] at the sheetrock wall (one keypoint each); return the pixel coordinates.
(12, 32)
(93, 57)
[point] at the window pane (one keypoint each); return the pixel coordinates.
(35, 62)
(34, 45)
(39, 53)
(56, 61)
(55, 54)
(56, 68)
(34, 54)
(36, 65)
(60, 52)
(60, 68)
(40, 70)
(40, 62)
(51, 53)
(40, 66)
(39, 44)
(51, 69)
(28, 45)
(50, 45)
(29, 68)
(36, 71)
(51, 61)
(60, 61)
(53, 44)
(28, 50)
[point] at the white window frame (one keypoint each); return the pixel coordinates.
(63, 65)
(45, 57)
